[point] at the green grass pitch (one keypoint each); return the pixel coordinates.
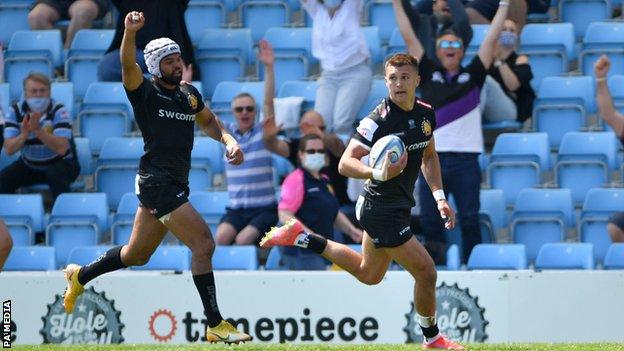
(326, 347)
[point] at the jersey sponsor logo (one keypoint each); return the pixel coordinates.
(417, 146)
(404, 230)
(426, 127)
(367, 128)
(463, 78)
(192, 101)
(458, 314)
(176, 115)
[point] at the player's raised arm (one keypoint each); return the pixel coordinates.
(430, 168)
(212, 126)
(131, 73)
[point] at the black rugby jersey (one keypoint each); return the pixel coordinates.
(415, 128)
(166, 119)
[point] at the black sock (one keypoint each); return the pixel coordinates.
(430, 332)
(108, 262)
(205, 284)
(313, 242)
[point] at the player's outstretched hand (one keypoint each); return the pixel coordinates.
(234, 154)
(447, 214)
(394, 169)
(134, 21)
(601, 66)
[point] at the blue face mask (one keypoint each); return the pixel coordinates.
(38, 104)
(332, 4)
(508, 39)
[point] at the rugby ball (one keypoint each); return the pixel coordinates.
(391, 143)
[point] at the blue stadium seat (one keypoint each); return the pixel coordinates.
(210, 205)
(274, 260)
(498, 256)
(305, 89)
(14, 17)
(517, 162)
(479, 31)
(585, 161)
(23, 215)
(63, 92)
(235, 257)
(168, 257)
(260, 15)
(372, 35)
(599, 205)
(225, 92)
(378, 91)
(105, 112)
(123, 220)
(580, 13)
(117, 167)
(615, 257)
(83, 57)
(453, 262)
(379, 13)
(83, 255)
(492, 215)
(550, 47)
(293, 54)
(222, 55)
(396, 44)
(541, 216)
(204, 14)
(31, 258)
(85, 157)
(31, 51)
(77, 219)
(206, 160)
(562, 105)
(603, 38)
(5, 98)
(565, 256)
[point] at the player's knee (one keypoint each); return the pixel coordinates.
(204, 249)
(427, 273)
(371, 278)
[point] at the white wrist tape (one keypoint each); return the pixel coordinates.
(439, 195)
(379, 174)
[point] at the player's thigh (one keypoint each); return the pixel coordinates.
(188, 226)
(375, 261)
(414, 258)
(147, 234)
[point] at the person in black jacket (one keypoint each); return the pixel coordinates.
(166, 19)
(447, 14)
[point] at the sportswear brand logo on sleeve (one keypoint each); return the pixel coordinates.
(176, 115)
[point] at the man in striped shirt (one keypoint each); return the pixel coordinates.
(252, 209)
(42, 129)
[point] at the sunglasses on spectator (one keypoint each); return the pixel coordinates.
(315, 151)
(446, 44)
(240, 109)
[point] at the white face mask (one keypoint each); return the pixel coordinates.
(38, 104)
(314, 162)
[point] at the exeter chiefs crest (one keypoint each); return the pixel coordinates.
(426, 127)
(458, 314)
(192, 101)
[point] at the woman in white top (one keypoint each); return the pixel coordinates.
(339, 44)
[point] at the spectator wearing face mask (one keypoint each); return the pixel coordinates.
(41, 128)
(507, 93)
(338, 42)
(304, 193)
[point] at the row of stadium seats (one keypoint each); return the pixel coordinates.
(178, 258)
(540, 216)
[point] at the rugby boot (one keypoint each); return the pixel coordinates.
(442, 343)
(74, 288)
(286, 235)
(226, 333)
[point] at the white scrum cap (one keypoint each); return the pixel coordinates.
(155, 51)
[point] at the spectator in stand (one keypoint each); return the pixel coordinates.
(507, 93)
(166, 19)
(6, 243)
(81, 13)
(252, 210)
(615, 120)
(346, 77)
(439, 15)
(304, 192)
(454, 91)
(483, 11)
(41, 128)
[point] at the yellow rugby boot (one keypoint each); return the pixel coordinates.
(225, 332)
(74, 288)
